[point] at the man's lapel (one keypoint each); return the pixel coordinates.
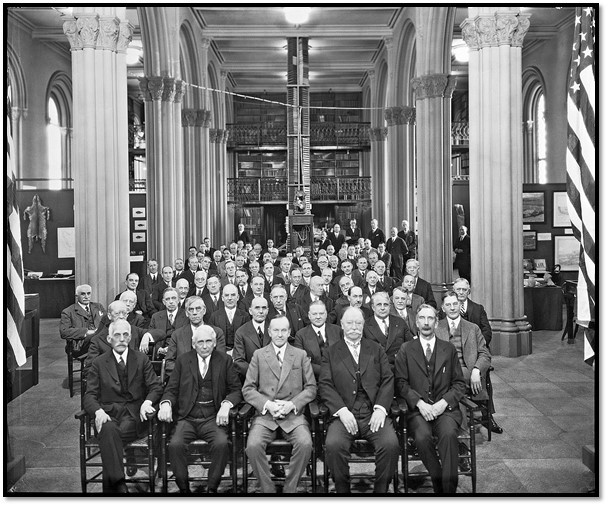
(288, 360)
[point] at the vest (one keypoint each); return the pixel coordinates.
(204, 407)
(363, 404)
(430, 371)
(124, 382)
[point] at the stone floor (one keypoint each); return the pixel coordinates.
(544, 401)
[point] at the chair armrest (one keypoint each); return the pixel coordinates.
(395, 408)
(313, 407)
(246, 411)
(234, 412)
(468, 403)
(402, 403)
(81, 415)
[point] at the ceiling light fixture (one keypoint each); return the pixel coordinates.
(297, 15)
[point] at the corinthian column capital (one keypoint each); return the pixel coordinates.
(403, 115)
(498, 29)
(125, 36)
(378, 134)
(432, 86)
(109, 28)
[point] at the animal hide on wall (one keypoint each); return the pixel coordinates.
(38, 216)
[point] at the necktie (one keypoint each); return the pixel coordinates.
(242, 292)
(88, 309)
(281, 312)
(385, 325)
(279, 359)
(204, 368)
(199, 292)
(462, 311)
(261, 336)
(355, 351)
(452, 328)
(429, 353)
(171, 318)
(121, 364)
(215, 300)
(321, 340)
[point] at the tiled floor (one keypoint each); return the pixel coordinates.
(544, 402)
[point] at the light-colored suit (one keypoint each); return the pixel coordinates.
(266, 381)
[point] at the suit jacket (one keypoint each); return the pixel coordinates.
(376, 237)
(137, 320)
(412, 381)
(338, 375)
(182, 389)
(307, 339)
(358, 278)
(224, 280)
(188, 275)
(243, 236)
(160, 321)
(409, 318)
(298, 319)
(325, 243)
(476, 314)
(211, 306)
(336, 241)
(147, 285)
(245, 303)
(387, 284)
(180, 342)
(410, 241)
(474, 351)
(246, 342)
(104, 389)
(353, 234)
(463, 260)
(143, 304)
(340, 307)
(276, 280)
(306, 300)
(267, 380)
(157, 294)
(397, 248)
(425, 290)
(220, 319)
(75, 321)
(398, 333)
(300, 291)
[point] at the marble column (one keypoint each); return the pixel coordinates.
(433, 155)
(400, 121)
(165, 164)
(495, 36)
(193, 178)
(98, 38)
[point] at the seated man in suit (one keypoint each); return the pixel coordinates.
(342, 302)
(432, 398)
(284, 270)
(257, 286)
(317, 337)
(243, 288)
(130, 300)
(387, 330)
(180, 341)
(385, 256)
(121, 391)
(213, 296)
(182, 285)
(421, 287)
(356, 384)
(352, 233)
(178, 269)
(279, 384)
(230, 276)
(295, 288)
(166, 321)
(360, 273)
(144, 304)
(371, 287)
(202, 389)
(316, 292)
(400, 307)
(166, 282)
(80, 320)
(200, 284)
(355, 299)
(148, 281)
(251, 335)
(270, 279)
(229, 318)
(385, 282)
(413, 300)
(294, 313)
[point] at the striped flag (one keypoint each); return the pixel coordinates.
(15, 308)
(580, 163)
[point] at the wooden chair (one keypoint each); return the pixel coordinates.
(69, 350)
(279, 450)
(466, 448)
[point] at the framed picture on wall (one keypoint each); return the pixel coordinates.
(533, 207)
(566, 252)
(540, 264)
(529, 240)
(561, 218)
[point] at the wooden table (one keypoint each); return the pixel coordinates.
(55, 294)
(544, 307)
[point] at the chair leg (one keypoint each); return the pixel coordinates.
(71, 374)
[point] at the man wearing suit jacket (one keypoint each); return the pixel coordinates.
(202, 389)
(144, 304)
(270, 279)
(355, 299)
(257, 287)
(166, 281)
(317, 337)
(336, 238)
(189, 273)
(356, 385)
(375, 235)
(387, 330)
(403, 308)
(298, 319)
(166, 321)
(295, 289)
(397, 248)
(462, 248)
(180, 341)
(80, 320)
(200, 284)
(410, 239)
(251, 336)
(385, 282)
(229, 318)
(279, 384)
(121, 390)
(213, 296)
(316, 292)
(148, 281)
(429, 378)
(230, 276)
(413, 300)
(130, 300)
(352, 233)
(242, 234)
(421, 287)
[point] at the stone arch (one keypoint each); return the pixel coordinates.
(16, 79)
(189, 67)
(533, 87)
(60, 89)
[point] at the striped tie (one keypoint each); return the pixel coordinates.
(462, 311)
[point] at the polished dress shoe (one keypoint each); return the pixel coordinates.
(494, 427)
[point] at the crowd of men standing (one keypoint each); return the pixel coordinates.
(243, 323)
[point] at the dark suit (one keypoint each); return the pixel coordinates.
(267, 380)
(157, 294)
(211, 306)
(476, 313)
(307, 339)
(338, 241)
(245, 303)
(343, 383)
(243, 236)
(299, 292)
(147, 284)
(325, 243)
(122, 402)
(220, 319)
(376, 237)
(298, 319)
(180, 342)
(188, 275)
(342, 304)
(425, 290)
(462, 262)
(441, 378)
(75, 322)
(306, 300)
(246, 341)
(160, 321)
(354, 235)
(182, 391)
(398, 333)
(386, 284)
(410, 241)
(143, 304)
(397, 248)
(276, 280)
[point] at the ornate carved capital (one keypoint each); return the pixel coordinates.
(107, 38)
(180, 90)
(188, 117)
(213, 135)
(72, 33)
(143, 87)
(449, 90)
(125, 36)
(403, 115)
(371, 74)
(226, 135)
(378, 134)
(88, 27)
(168, 89)
(498, 29)
(203, 118)
(155, 87)
(430, 86)
(205, 42)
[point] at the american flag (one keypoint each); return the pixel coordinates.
(580, 162)
(15, 308)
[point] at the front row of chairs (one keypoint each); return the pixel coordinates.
(142, 454)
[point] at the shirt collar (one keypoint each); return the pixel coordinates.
(319, 329)
(455, 321)
(83, 306)
(424, 343)
(280, 350)
(381, 322)
(123, 355)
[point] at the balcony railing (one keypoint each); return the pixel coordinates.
(246, 190)
(321, 134)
